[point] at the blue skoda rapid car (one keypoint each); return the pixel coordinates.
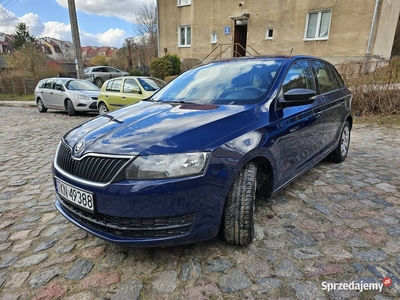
(181, 166)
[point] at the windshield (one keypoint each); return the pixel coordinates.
(230, 82)
(80, 85)
(151, 84)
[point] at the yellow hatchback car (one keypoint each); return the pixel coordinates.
(121, 91)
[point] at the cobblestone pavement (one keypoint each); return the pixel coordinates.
(335, 224)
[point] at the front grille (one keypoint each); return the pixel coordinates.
(91, 168)
(136, 228)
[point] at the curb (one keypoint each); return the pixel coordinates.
(18, 103)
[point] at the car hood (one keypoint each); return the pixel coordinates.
(91, 94)
(160, 128)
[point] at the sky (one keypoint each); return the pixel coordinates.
(100, 22)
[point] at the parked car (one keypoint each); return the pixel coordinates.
(122, 91)
(177, 167)
(67, 94)
(99, 74)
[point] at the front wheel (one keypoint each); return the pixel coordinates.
(40, 106)
(103, 109)
(340, 153)
(98, 81)
(70, 108)
(238, 222)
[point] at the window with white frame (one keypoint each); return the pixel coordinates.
(184, 2)
(269, 34)
(184, 36)
(318, 23)
(214, 38)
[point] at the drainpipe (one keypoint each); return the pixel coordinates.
(158, 28)
(372, 28)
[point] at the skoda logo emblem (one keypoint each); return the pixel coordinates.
(79, 147)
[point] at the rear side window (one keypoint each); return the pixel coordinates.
(48, 84)
(114, 85)
(338, 78)
(324, 76)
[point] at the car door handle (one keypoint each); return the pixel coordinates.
(318, 113)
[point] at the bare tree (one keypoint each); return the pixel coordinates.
(145, 29)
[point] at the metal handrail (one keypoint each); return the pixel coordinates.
(228, 46)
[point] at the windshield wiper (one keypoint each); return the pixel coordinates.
(112, 118)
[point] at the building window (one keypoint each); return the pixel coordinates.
(184, 2)
(318, 23)
(184, 36)
(214, 38)
(270, 34)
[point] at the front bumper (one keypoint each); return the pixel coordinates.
(150, 213)
(87, 105)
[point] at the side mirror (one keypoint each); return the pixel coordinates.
(295, 97)
(136, 90)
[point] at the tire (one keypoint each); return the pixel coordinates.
(102, 109)
(238, 220)
(98, 81)
(340, 153)
(40, 106)
(70, 108)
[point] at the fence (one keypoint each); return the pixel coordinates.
(18, 85)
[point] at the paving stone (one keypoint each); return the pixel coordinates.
(80, 269)
(100, 279)
(65, 249)
(55, 230)
(52, 291)
(287, 269)
(372, 255)
(233, 281)
(16, 280)
(394, 230)
(22, 247)
(191, 270)
(4, 236)
(306, 253)
(302, 241)
(268, 284)
(322, 209)
(45, 245)
(89, 296)
(307, 290)
(219, 265)
(358, 242)
(45, 277)
(382, 202)
(203, 291)
(128, 290)
(336, 252)
(32, 260)
(323, 269)
(166, 282)
(8, 261)
(3, 277)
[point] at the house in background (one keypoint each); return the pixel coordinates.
(5, 43)
(337, 30)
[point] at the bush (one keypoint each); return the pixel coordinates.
(374, 85)
(161, 68)
(135, 72)
(176, 63)
(189, 63)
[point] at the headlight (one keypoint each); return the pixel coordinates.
(82, 97)
(167, 166)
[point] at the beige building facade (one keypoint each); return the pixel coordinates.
(337, 30)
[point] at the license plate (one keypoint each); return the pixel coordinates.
(75, 195)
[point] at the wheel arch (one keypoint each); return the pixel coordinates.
(266, 171)
(66, 103)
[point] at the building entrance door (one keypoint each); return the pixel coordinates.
(240, 38)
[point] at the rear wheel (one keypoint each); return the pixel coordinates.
(40, 106)
(238, 222)
(340, 153)
(98, 81)
(103, 109)
(70, 108)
